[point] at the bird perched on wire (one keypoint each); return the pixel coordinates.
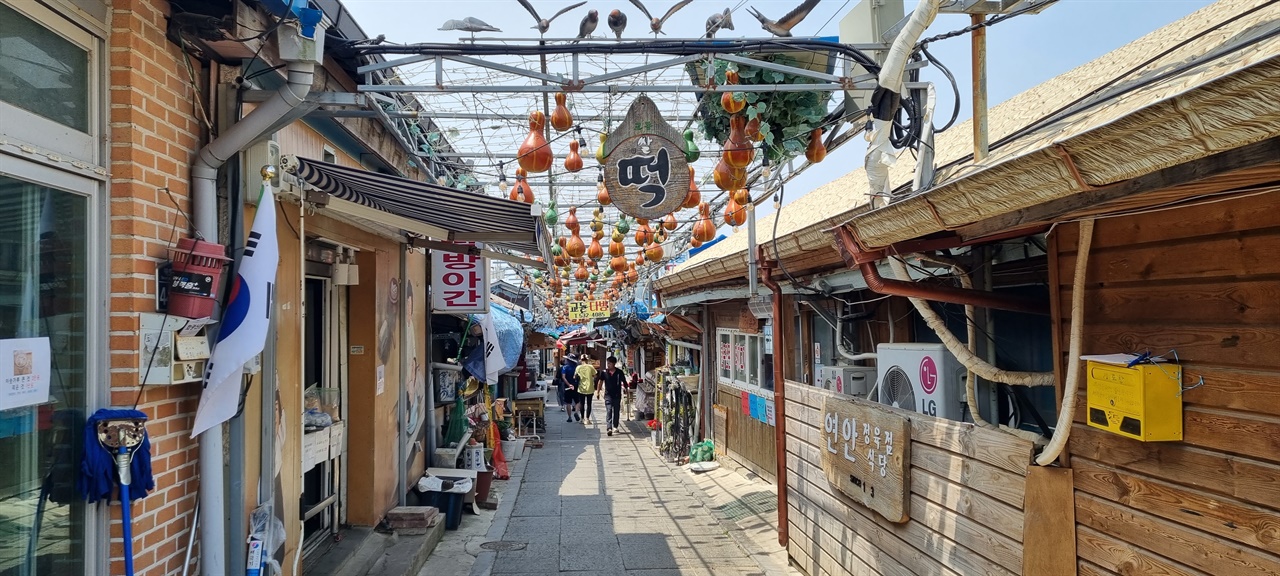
(469, 24)
(655, 24)
(719, 21)
(588, 25)
(617, 22)
(783, 26)
(544, 24)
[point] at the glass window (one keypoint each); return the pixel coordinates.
(726, 356)
(753, 360)
(43, 263)
(42, 72)
(740, 358)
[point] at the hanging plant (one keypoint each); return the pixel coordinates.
(786, 118)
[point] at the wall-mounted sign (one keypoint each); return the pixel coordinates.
(865, 455)
(24, 372)
(645, 168)
(589, 309)
(459, 283)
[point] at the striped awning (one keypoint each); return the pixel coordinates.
(447, 213)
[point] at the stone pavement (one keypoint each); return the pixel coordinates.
(595, 505)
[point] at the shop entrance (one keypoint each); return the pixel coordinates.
(324, 372)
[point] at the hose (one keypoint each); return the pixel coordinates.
(1063, 428)
(970, 381)
(962, 353)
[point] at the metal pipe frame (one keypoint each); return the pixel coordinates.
(779, 394)
(597, 89)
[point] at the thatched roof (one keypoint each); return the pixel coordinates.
(1188, 98)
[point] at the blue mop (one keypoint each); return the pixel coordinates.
(125, 461)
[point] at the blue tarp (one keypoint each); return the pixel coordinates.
(694, 251)
(657, 318)
(510, 334)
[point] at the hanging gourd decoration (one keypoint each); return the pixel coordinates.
(574, 248)
(640, 257)
(753, 130)
(521, 191)
(581, 273)
(691, 151)
(729, 100)
(817, 151)
(561, 119)
(600, 149)
(572, 221)
(737, 148)
(643, 234)
(602, 193)
(653, 252)
(694, 197)
(591, 287)
(633, 276)
(623, 224)
(722, 175)
(617, 237)
(735, 214)
(705, 229)
(617, 248)
(535, 155)
(596, 223)
(595, 251)
(549, 302)
(618, 263)
(741, 196)
(660, 236)
(550, 216)
(573, 162)
(695, 243)
(669, 222)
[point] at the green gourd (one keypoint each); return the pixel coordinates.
(550, 216)
(691, 151)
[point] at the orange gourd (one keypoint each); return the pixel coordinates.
(535, 155)
(669, 222)
(595, 251)
(572, 221)
(816, 151)
(694, 197)
(737, 148)
(561, 119)
(643, 234)
(617, 249)
(705, 230)
(753, 130)
(573, 162)
(640, 257)
(602, 196)
(741, 196)
(695, 243)
(653, 252)
(735, 214)
(727, 101)
(575, 248)
(633, 276)
(618, 263)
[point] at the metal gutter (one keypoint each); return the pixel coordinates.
(779, 398)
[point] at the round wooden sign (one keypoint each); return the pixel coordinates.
(645, 169)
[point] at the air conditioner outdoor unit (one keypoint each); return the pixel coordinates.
(853, 380)
(925, 378)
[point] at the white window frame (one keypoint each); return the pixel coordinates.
(733, 379)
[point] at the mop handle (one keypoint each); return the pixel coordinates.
(126, 521)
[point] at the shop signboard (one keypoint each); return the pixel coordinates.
(865, 454)
(459, 282)
(645, 169)
(589, 309)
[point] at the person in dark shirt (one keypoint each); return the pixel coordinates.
(610, 382)
(569, 386)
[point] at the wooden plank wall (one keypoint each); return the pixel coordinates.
(966, 502)
(1203, 280)
(748, 441)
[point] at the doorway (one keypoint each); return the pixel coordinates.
(324, 420)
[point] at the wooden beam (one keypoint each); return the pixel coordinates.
(1049, 522)
(474, 251)
(1221, 163)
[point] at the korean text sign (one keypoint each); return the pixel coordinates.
(589, 309)
(865, 451)
(459, 282)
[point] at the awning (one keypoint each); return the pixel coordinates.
(438, 212)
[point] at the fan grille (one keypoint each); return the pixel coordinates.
(896, 389)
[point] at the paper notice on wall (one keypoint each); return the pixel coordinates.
(24, 372)
(382, 379)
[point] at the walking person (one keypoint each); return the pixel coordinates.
(611, 381)
(569, 386)
(560, 387)
(586, 374)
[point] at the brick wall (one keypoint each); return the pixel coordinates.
(154, 134)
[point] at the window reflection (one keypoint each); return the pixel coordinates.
(42, 72)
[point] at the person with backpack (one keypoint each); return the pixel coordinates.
(611, 381)
(586, 374)
(569, 386)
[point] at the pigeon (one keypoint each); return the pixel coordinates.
(588, 25)
(617, 23)
(718, 22)
(783, 27)
(469, 24)
(655, 24)
(544, 24)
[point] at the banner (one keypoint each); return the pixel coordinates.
(494, 363)
(459, 282)
(589, 310)
(245, 321)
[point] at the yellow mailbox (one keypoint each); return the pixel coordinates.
(1140, 402)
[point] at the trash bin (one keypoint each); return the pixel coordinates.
(449, 504)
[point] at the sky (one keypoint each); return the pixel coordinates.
(1022, 52)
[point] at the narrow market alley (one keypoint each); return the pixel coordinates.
(587, 503)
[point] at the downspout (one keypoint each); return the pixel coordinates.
(779, 396)
(855, 257)
(204, 207)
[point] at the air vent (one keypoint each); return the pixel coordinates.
(896, 389)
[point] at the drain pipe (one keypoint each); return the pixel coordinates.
(779, 394)
(204, 207)
(855, 257)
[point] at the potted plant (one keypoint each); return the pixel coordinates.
(787, 119)
(654, 427)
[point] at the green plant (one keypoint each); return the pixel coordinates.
(786, 118)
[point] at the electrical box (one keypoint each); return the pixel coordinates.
(852, 380)
(1142, 402)
(868, 22)
(261, 153)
